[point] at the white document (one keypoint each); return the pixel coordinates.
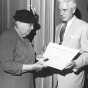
(59, 56)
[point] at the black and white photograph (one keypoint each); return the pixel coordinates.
(43, 43)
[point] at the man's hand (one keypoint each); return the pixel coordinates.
(72, 66)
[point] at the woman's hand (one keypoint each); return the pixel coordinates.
(30, 67)
(38, 66)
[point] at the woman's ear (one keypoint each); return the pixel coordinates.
(31, 27)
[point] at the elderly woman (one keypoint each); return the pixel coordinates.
(17, 54)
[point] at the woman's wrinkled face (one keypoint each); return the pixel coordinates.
(23, 29)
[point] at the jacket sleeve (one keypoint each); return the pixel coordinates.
(82, 60)
(8, 64)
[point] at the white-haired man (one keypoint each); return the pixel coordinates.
(75, 36)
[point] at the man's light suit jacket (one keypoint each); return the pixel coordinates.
(75, 36)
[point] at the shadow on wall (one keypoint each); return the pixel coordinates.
(78, 13)
(87, 8)
(83, 7)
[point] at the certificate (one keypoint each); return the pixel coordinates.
(58, 56)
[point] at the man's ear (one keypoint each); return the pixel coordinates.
(74, 9)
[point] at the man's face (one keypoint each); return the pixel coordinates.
(23, 29)
(66, 12)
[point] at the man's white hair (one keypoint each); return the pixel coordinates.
(70, 3)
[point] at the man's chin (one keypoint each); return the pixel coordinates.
(64, 20)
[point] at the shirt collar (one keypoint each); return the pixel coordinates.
(71, 21)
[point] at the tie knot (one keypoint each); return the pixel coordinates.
(64, 24)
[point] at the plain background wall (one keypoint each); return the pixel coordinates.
(3, 14)
(83, 7)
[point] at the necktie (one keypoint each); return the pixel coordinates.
(62, 32)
